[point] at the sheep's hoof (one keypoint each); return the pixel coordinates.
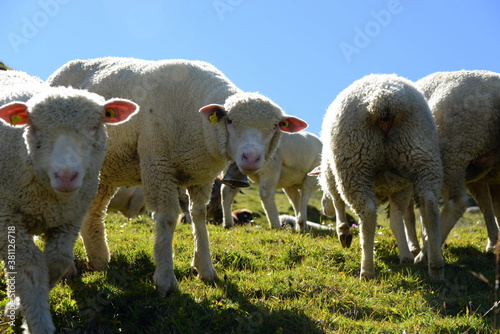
(436, 272)
(345, 240)
(165, 284)
(70, 273)
(208, 275)
(228, 226)
(490, 247)
(415, 252)
(420, 258)
(366, 275)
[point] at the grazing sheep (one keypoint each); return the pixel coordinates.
(380, 142)
(291, 221)
(193, 121)
(129, 201)
(465, 105)
(214, 206)
(52, 145)
(333, 205)
(242, 216)
(297, 154)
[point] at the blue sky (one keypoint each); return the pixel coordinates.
(301, 54)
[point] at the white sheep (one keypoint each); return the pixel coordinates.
(193, 120)
(379, 142)
(129, 201)
(465, 105)
(297, 154)
(52, 145)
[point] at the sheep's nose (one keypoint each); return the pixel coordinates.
(251, 156)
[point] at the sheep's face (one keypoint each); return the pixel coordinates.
(65, 136)
(64, 158)
(254, 125)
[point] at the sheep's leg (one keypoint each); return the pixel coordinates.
(202, 261)
(295, 199)
(411, 229)
(228, 193)
(93, 231)
(368, 222)
(28, 274)
(481, 192)
(454, 207)
(495, 198)
(430, 219)
(398, 202)
(343, 229)
(163, 199)
(267, 190)
(164, 276)
(58, 251)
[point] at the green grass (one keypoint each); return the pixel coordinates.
(276, 281)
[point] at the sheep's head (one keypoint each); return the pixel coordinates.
(65, 135)
(254, 124)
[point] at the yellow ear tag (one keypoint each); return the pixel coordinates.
(15, 119)
(110, 113)
(213, 119)
(284, 124)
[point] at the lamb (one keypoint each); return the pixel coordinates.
(465, 106)
(297, 154)
(193, 121)
(242, 216)
(129, 201)
(380, 141)
(52, 145)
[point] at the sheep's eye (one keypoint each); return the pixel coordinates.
(229, 121)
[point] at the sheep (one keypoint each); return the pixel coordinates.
(297, 154)
(214, 206)
(380, 142)
(465, 106)
(129, 201)
(333, 205)
(52, 145)
(193, 121)
(287, 220)
(242, 216)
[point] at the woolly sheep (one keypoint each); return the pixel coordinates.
(52, 144)
(380, 141)
(129, 201)
(193, 121)
(297, 154)
(465, 106)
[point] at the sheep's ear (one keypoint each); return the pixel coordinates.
(292, 124)
(15, 113)
(213, 112)
(117, 111)
(315, 172)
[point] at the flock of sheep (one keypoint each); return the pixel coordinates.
(384, 138)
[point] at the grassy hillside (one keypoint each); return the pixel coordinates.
(276, 281)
